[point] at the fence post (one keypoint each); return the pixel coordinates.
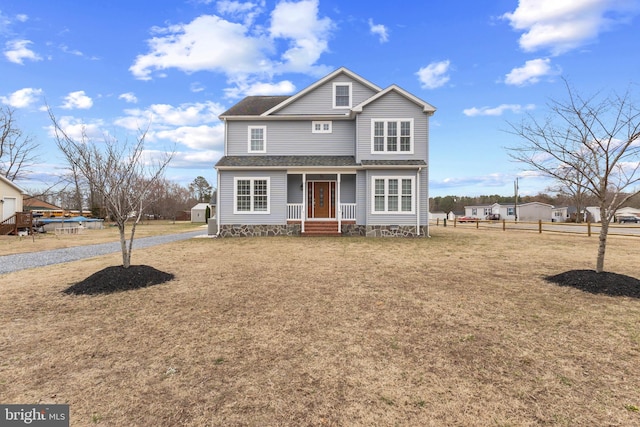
(588, 228)
(477, 224)
(504, 225)
(539, 226)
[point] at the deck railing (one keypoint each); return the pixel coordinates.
(294, 211)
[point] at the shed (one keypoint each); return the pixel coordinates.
(198, 212)
(11, 198)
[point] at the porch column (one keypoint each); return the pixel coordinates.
(418, 203)
(303, 216)
(338, 202)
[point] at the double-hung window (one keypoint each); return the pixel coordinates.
(321, 127)
(392, 136)
(251, 195)
(257, 139)
(393, 194)
(342, 95)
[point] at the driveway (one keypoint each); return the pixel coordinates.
(16, 262)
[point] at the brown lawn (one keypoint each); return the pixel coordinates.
(459, 329)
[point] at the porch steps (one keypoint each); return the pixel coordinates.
(321, 229)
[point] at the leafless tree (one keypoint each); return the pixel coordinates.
(119, 174)
(591, 143)
(18, 151)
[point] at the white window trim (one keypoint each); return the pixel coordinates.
(336, 84)
(386, 121)
(313, 127)
(252, 180)
(264, 137)
(386, 194)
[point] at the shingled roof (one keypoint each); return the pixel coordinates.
(286, 161)
(254, 105)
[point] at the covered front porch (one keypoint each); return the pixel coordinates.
(321, 202)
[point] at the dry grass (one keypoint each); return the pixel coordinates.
(459, 329)
(45, 241)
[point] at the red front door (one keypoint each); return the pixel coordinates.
(321, 200)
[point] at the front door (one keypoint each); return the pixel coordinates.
(322, 199)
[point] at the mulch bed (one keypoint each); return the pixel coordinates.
(606, 283)
(118, 279)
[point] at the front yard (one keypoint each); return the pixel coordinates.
(459, 329)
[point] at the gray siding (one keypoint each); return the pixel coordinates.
(320, 100)
(392, 106)
(291, 138)
(277, 198)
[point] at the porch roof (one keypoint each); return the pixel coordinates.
(285, 161)
(235, 162)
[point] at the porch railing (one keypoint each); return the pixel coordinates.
(294, 211)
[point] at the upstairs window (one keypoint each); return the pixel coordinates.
(342, 95)
(257, 139)
(321, 127)
(392, 136)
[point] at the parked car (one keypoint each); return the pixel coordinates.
(467, 219)
(493, 217)
(628, 218)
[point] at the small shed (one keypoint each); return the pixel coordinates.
(11, 198)
(199, 211)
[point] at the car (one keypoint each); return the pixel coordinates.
(467, 219)
(628, 218)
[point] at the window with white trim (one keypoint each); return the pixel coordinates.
(511, 211)
(393, 195)
(487, 211)
(321, 127)
(392, 136)
(257, 139)
(251, 195)
(342, 95)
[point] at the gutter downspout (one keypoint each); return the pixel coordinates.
(218, 205)
(418, 202)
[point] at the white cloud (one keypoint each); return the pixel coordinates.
(194, 125)
(17, 51)
(77, 129)
(129, 97)
(497, 111)
(284, 87)
(379, 30)
(244, 11)
(78, 100)
(434, 75)
(530, 72)
(561, 26)
(308, 34)
(196, 159)
(22, 98)
(189, 48)
(196, 87)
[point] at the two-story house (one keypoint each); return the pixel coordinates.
(342, 156)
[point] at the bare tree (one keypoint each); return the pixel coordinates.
(588, 143)
(118, 173)
(17, 150)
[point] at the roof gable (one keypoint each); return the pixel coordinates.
(426, 107)
(10, 183)
(254, 105)
(322, 81)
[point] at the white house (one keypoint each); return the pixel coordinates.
(11, 198)
(532, 211)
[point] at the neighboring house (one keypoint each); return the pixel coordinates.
(343, 156)
(628, 211)
(199, 212)
(11, 198)
(434, 216)
(532, 211)
(41, 208)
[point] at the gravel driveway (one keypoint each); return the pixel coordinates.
(10, 263)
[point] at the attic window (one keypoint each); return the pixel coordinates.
(320, 127)
(342, 95)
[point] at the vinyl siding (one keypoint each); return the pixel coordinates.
(320, 100)
(392, 106)
(290, 138)
(277, 198)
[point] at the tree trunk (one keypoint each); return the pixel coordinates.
(602, 245)
(126, 253)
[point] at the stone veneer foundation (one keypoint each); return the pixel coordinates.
(295, 230)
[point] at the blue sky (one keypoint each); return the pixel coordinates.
(114, 67)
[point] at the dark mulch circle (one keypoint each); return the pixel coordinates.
(612, 284)
(118, 279)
